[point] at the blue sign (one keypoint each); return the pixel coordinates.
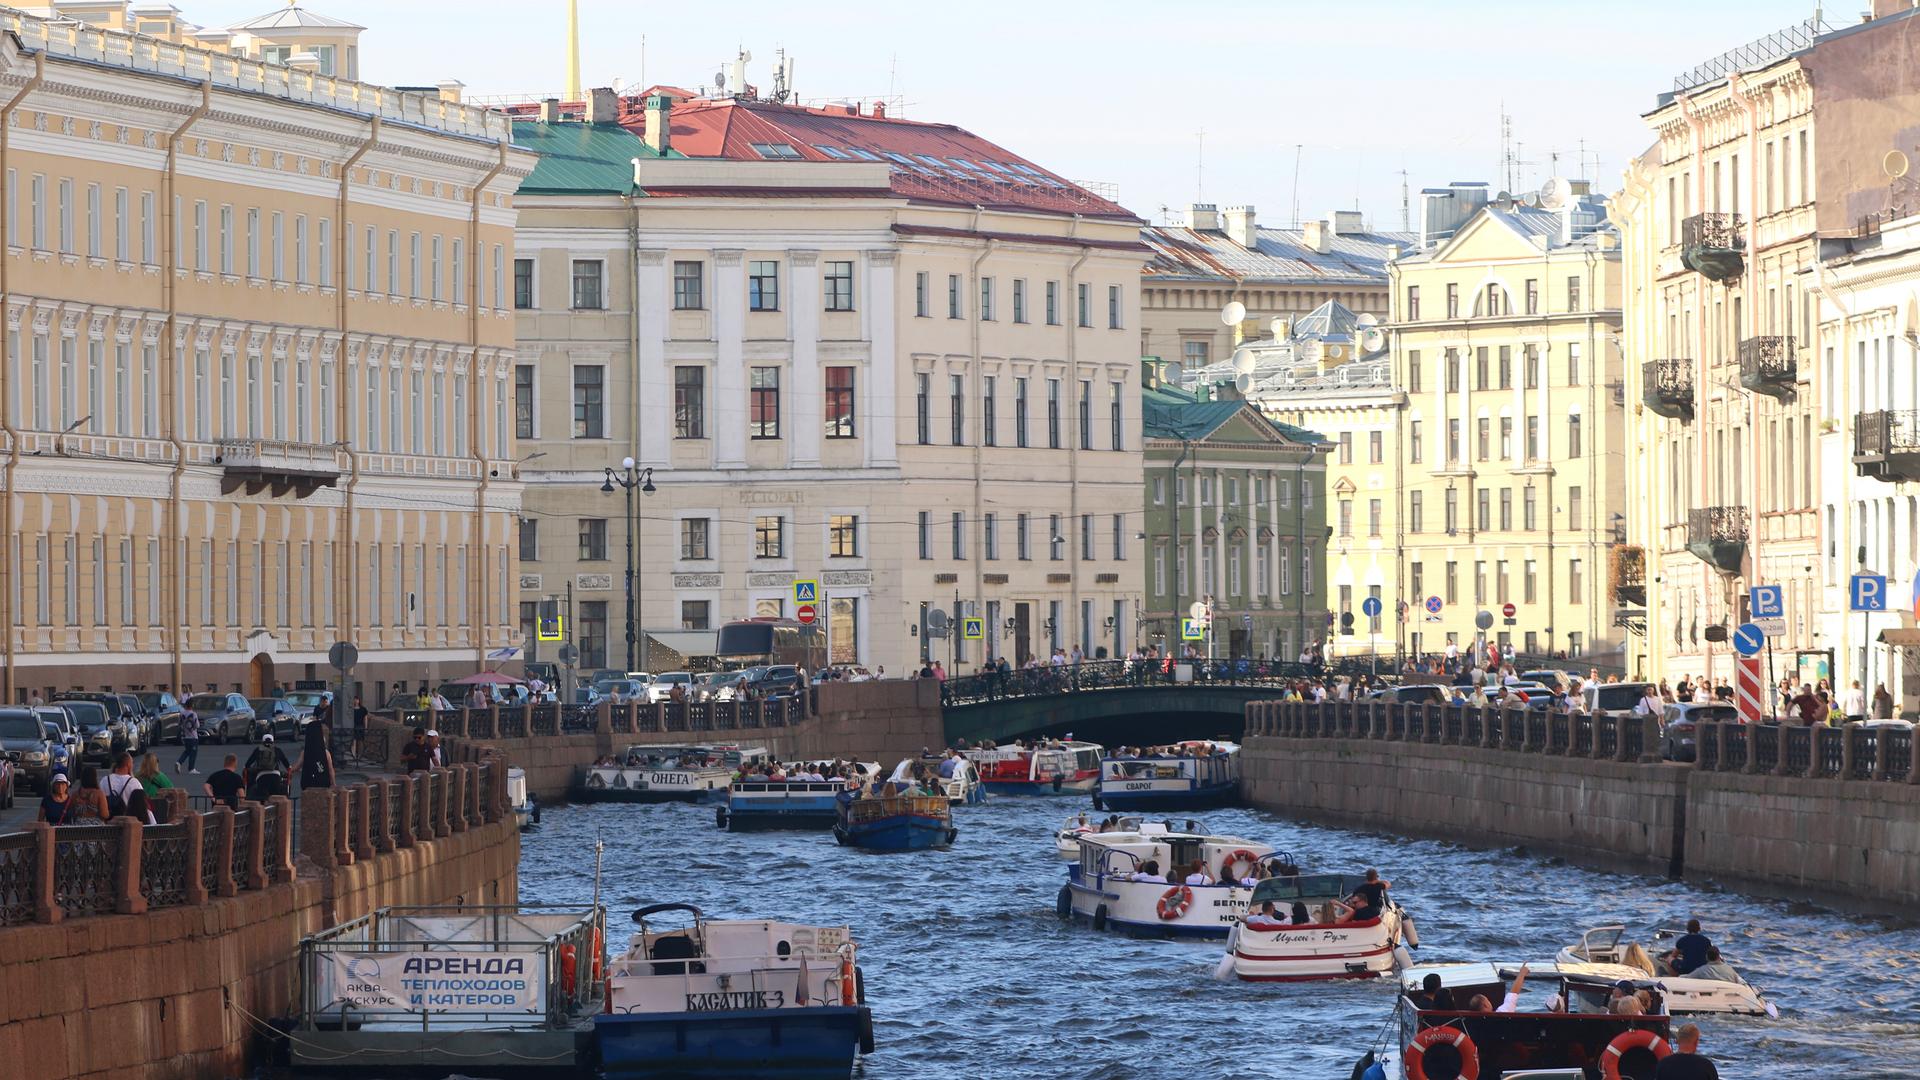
(1748, 640)
(1433, 605)
(1868, 591)
(1768, 602)
(1370, 607)
(804, 592)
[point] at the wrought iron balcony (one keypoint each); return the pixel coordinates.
(1717, 535)
(1712, 246)
(1628, 570)
(1666, 386)
(260, 464)
(1767, 366)
(1886, 444)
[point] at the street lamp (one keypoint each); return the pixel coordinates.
(630, 478)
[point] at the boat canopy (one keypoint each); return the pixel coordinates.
(1285, 890)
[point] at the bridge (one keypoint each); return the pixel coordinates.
(1111, 701)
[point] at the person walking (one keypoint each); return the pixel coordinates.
(1853, 702)
(189, 743)
(57, 806)
(316, 760)
(124, 794)
(359, 727)
(1882, 703)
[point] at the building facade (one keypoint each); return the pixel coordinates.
(255, 369)
(1511, 444)
(1236, 511)
(885, 356)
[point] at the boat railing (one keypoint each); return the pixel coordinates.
(784, 787)
(862, 811)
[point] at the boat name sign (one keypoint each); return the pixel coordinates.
(441, 982)
(729, 1000)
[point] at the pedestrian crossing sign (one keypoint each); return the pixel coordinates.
(1192, 629)
(551, 627)
(806, 592)
(973, 629)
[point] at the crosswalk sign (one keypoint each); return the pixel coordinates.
(1192, 629)
(973, 629)
(806, 592)
(551, 627)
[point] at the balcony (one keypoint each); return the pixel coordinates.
(257, 465)
(1627, 571)
(1666, 386)
(1767, 366)
(1712, 246)
(1886, 444)
(1717, 535)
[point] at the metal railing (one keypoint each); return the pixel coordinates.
(1716, 229)
(1089, 675)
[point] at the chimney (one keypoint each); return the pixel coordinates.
(1315, 236)
(879, 110)
(603, 105)
(660, 123)
(1240, 229)
(550, 111)
(304, 61)
(451, 90)
(1203, 217)
(1348, 222)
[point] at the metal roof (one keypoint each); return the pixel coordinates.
(1279, 256)
(1167, 413)
(579, 158)
(295, 17)
(1331, 319)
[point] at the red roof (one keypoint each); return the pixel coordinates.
(930, 162)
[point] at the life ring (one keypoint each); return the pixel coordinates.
(848, 991)
(567, 969)
(1416, 1055)
(1242, 855)
(1639, 1039)
(1181, 898)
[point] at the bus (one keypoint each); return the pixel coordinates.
(766, 641)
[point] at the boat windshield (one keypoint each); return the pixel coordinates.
(1282, 891)
(1602, 939)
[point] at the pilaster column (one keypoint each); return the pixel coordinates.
(729, 369)
(653, 383)
(877, 402)
(803, 430)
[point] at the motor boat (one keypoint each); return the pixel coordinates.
(1067, 840)
(1686, 994)
(526, 812)
(963, 788)
(1122, 882)
(1187, 775)
(1323, 947)
(1561, 1025)
(891, 822)
(733, 999)
(758, 802)
(667, 773)
(1048, 767)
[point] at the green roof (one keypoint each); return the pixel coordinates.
(578, 158)
(1170, 413)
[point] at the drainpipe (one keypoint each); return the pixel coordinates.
(170, 373)
(7, 391)
(1073, 420)
(1751, 290)
(346, 586)
(979, 549)
(1696, 154)
(478, 567)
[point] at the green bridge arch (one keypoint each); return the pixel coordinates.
(1086, 712)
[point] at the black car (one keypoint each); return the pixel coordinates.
(133, 729)
(166, 711)
(779, 680)
(101, 737)
(1679, 723)
(24, 742)
(276, 717)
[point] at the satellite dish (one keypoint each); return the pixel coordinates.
(1233, 313)
(1373, 340)
(1555, 193)
(1895, 164)
(1279, 327)
(1366, 320)
(1176, 374)
(1243, 361)
(1243, 382)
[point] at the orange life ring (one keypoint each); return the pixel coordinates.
(1242, 855)
(598, 950)
(847, 984)
(1182, 899)
(1638, 1039)
(567, 969)
(1416, 1055)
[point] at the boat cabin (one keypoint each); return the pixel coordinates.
(1117, 854)
(1562, 1021)
(722, 965)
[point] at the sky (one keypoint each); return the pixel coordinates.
(1172, 103)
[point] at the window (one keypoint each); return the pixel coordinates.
(1531, 362)
(1413, 441)
(1019, 300)
(1479, 583)
(589, 413)
(529, 539)
(1053, 303)
(1573, 508)
(1416, 513)
(1506, 509)
(1482, 443)
(1453, 300)
(1506, 367)
(1573, 294)
(1119, 537)
(523, 401)
(696, 615)
(587, 294)
(763, 406)
(953, 296)
(990, 536)
(1573, 365)
(1086, 537)
(1451, 522)
(690, 402)
(920, 288)
(1376, 447)
(1454, 451)
(1412, 312)
(839, 285)
(839, 415)
(1528, 510)
(1533, 296)
(1114, 394)
(957, 402)
(1086, 414)
(1576, 583)
(1528, 575)
(593, 539)
(1533, 438)
(923, 407)
(1453, 582)
(1573, 436)
(1450, 362)
(1084, 297)
(959, 535)
(843, 536)
(1113, 307)
(1506, 438)
(1485, 517)
(769, 537)
(1373, 517)
(988, 435)
(1053, 414)
(1022, 537)
(1481, 370)
(66, 219)
(1346, 448)
(1020, 410)
(1056, 543)
(93, 222)
(986, 299)
(689, 275)
(926, 529)
(1494, 296)
(763, 285)
(695, 534)
(1346, 517)
(592, 641)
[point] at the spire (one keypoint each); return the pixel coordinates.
(573, 50)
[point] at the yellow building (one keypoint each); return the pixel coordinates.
(1511, 449)
(255, 368)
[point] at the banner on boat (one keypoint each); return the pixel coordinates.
(441, 982)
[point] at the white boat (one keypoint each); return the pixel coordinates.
(1321, 946)
(1184, 776)
(526, 812)
(1105, 888)
(1048, 767)
(664, 773)
(1067, 840)
(963, 788)
(1686, 994)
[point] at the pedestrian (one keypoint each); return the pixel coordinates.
(433, 748)
(152, 776)
(1882, 703)
(359, 726)
(90, 803)
(1686, 1062)
(266, 758)
(1853, 702)
(125, 795)
(189, 742)
(226, 785)
(57, 806)
(416, 755)
(316, 760)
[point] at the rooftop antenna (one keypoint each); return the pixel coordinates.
(1200, 165)
(1406, 207)
(573, 50)
(1506, 146)
(1297, 148)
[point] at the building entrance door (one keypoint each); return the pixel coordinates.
(260, 676)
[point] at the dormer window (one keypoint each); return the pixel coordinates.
(776, 151)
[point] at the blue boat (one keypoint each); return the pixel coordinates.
(896, 822)
(780, 804)
(1186, 776)
(728, 999)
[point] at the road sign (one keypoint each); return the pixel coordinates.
(806, 592)
(1509, 610)
(343, 655)
(1767, 602)
(804, 613)
(1747, 694)
(1868, 592)
(1749, 639)
(1346, 618)
(973, 629)
(1772, 627)
(1192, 629)
(569, 654)
(1433, 605)
(1246, 621)
(1199, 612)
(551, 628)
(1371, 607)
(1484, 620)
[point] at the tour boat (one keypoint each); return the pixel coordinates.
(1102, 888)
(759, 803)
(1686, 994)
(1322, 948)
(1189, 776)
(963, 788)
(895, 822)
(733, 999)
(526, 812)
(1562, 1023)
(1067, 840)
(1051, 767)
(668, 773)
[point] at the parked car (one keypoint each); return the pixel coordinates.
(101, 737)
(1413, 694)
(1522, 694)
(166, 711)
(721, 685)
(1613, 699)
(149, 724)
(778, 680)
(273, 716)
(25, 747)
(135, 734)
(222, 716)
(661, 688)
(62, 737)
(1679, 723)
(1552, 678)
(545, 670)
(628, 689)
(305, 703)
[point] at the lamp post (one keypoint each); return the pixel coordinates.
(630, 478)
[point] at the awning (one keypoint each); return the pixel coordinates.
(1900, 635)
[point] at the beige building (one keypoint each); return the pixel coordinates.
(886, 356)
(255, 366)
(1512, 442)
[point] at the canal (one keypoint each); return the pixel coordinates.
(970, 973)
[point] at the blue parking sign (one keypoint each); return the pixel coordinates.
(1868, 592)
(1768, 602)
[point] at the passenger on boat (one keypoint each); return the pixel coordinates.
(1431, 995)
(1511, 1003)
(1198, 875)
(1689, 950)
(1300, 915)
(1149, 872)
(1714, 968)
(1267, 918)
(1336, 912)
(1626, 1001)
(1370, 897)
